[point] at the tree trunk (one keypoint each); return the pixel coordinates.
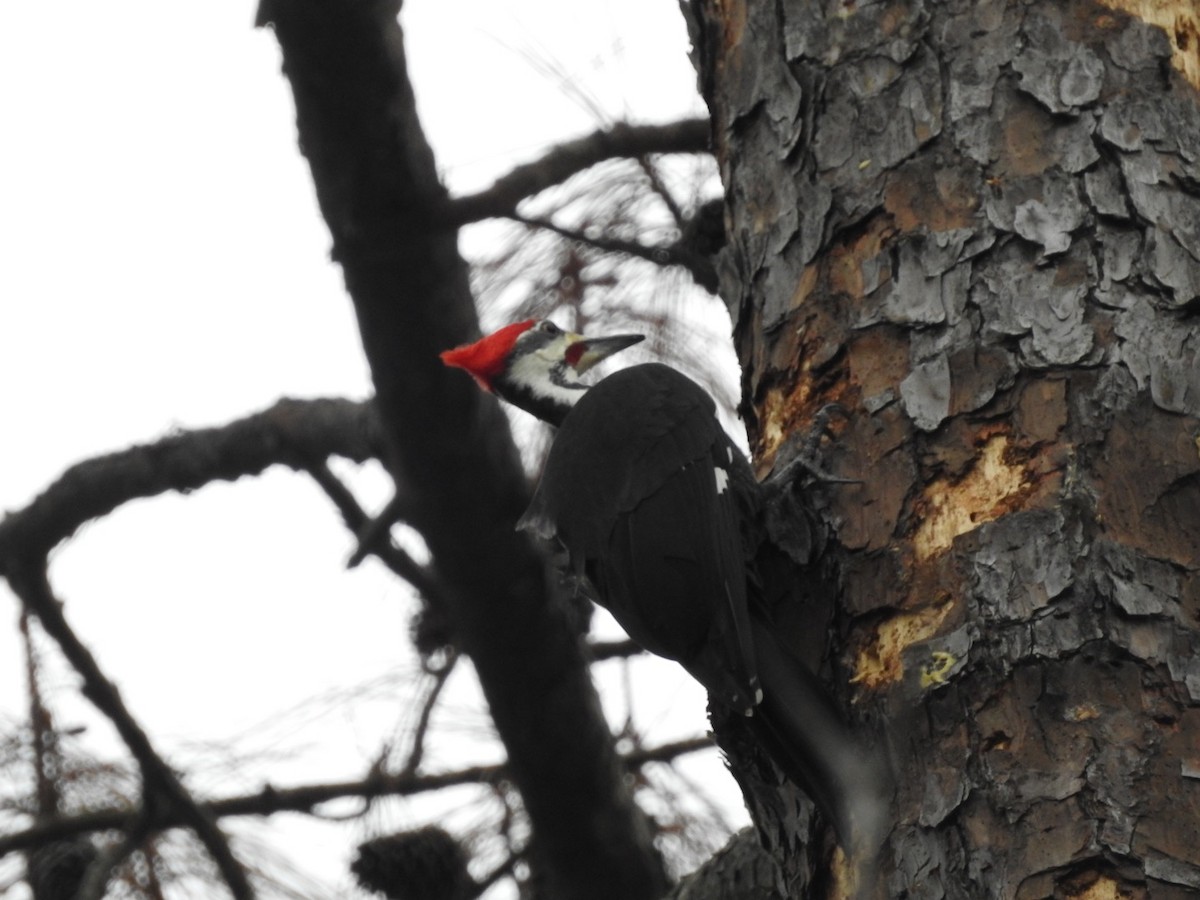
(976, 227)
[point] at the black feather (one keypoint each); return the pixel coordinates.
(661, 511)
(630, 487)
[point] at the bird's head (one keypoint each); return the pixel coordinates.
(534, 364)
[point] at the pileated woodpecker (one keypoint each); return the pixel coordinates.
(659, 509)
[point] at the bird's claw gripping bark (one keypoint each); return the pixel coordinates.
(804, 458)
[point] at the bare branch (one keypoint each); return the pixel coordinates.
(291, 433)
(565, 160)
(369, 532)
(100, 870)
(504, 870)
(660, 188)
(602, 650)
(305, 798)
(701, 268)
(357, 520)
(161, 787)
(417, 752)
(46, 757)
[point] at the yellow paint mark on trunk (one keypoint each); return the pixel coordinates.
(1180, 19)
(954, 508)
(881, 663)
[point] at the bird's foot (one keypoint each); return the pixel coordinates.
(804, 458)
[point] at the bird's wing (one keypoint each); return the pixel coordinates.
(677, 582)
(622, 441)
(638, 487)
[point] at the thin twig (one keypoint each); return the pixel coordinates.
(671, 255)
(602, 650)
(417, 752)
(373, 532)
(572, 157)
(305, 798)
(659, 188)
(159, 781)
(504, 870)
(100, 870)
(356, 519)
(45, 751)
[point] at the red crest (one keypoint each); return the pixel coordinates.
(485, 358)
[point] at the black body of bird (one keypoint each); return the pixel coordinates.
(661, 512)
(656, 526)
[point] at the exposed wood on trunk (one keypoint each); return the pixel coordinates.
(976, 226)
(1179, 21)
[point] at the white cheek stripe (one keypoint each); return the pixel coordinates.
(531, 372)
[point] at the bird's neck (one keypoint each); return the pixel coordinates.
(549, 399)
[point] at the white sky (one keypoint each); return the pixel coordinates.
(165, 266)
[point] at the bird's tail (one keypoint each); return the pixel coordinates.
(806, 735)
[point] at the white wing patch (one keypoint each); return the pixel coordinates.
(722, 479)
(758, 698)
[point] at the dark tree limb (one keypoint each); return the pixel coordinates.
(290, 432)
(573, 157)
(602, 650)
(377, 186)
(161, 787)
(306, 798)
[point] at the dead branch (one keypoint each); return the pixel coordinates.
(601, 650)
(356, 519)
(290, 432)
(305, 798)
(161, 787)
(677, 254)
(417, 751)
(100, 870)
(572, 157)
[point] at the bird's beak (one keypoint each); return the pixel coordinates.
(585, 352)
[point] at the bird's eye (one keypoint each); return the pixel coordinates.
(549, 327)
